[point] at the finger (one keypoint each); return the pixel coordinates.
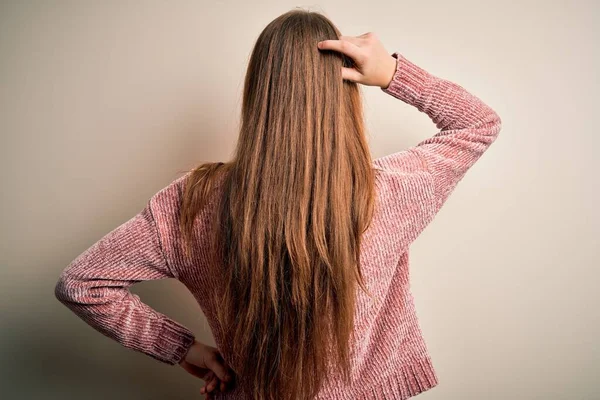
(204, 389)
(357, 40)
(366, 35)
(219, 368)
(192, 369)
(212, 385)
(351, 74)
(342, 46)
(208, 377)
(207, 382)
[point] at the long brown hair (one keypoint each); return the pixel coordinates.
(296, 198)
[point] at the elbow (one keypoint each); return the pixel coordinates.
(69, 290)
(498, 122)
(61, 289)
(491, 125)
(497, 126)
(80, 293)
(495, 121)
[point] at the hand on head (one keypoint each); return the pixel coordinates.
(374, 66)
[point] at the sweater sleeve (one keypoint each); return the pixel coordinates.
(95, 286)
(467, 127)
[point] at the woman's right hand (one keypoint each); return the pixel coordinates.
(374, 65)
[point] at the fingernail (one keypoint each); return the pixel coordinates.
(320, 44)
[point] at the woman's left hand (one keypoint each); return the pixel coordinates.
(206, 363)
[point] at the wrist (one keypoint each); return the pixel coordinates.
(187, 352)
(390, 71)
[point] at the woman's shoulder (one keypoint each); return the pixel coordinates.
(172, 192)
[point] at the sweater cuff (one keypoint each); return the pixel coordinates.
(408, 82)
(173, 342)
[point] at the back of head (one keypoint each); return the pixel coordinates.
(296, 198)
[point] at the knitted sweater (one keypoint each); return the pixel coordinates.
(391, 360)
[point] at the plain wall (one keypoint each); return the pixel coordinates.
(103, 103)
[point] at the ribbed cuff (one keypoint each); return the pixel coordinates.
(408, 82)
(172, 342)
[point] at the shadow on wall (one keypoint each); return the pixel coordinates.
(65, 359)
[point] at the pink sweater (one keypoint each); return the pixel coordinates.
(391, 360)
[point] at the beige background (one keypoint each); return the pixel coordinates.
(102, 103)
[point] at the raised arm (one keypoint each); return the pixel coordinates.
(417, 181)
(467, 126)
(95, 286)
(414, 183)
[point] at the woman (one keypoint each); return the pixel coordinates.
(297, 248)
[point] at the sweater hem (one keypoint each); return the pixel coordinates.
(406, 381)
